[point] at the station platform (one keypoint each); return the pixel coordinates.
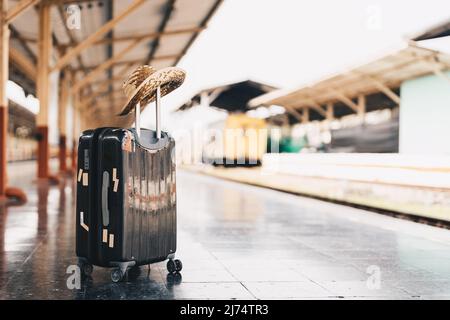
(236, 241)
(414, 186)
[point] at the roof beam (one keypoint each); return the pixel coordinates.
(71, 53)
(345, 100)
(148, 36)
(361, 106)
(380, 85)
(437, 71)
(437, 67)
(111, 63)
(105, 103)
(315, 106)
(310, 103)
(115, 64)
(104, 66)
(90, 99)
(113, 93)
(68, 1)
(69, 33)
(294, 112)
(215, 93)
(25, 39)
(305, 116)
(127, 62)
(165, 20)
(24, 64)
(106, 107)
(386, 90)
(16, 34)
(330, 111)
(110, 81)
(18, 9)
(96, 96)
(203, 24)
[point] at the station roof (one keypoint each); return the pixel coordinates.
(231, 97)
(379, 79)
(156, 32)
(438, 31)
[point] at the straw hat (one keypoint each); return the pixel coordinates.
(142, 83)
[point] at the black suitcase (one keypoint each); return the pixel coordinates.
(126, 199)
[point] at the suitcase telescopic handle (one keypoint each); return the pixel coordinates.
(137, 115)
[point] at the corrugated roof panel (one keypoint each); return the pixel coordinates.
(91, 20)
(173, 44)
(151, 17)
(189, 13)
(391, 70)
(144, 19)
(58, 26)
(27, 23)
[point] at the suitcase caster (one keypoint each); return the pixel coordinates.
(85, 268)
(117, 275)
(121, 269)
(174, 265)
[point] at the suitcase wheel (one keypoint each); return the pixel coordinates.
(117, 275)
(174, 265)
(178, 265)
(86, 268)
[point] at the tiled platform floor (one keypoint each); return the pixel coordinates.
(235, 241)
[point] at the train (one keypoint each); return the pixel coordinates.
(239, 141)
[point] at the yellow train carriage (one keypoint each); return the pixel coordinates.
(242, 141)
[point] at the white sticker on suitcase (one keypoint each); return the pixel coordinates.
(85, 179)
(111, 240)
(80, 173)
(82, 221)
(105, 235)
(115, 180)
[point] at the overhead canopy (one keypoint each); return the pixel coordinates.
(155, 32)
(232, 97)
(378, 81)
(439, 31)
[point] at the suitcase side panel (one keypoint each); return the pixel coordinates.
(151, 206)
(110, 191)
(87, 206)
(83, 202)
(173, 196)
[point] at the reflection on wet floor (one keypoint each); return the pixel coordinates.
(235, 241)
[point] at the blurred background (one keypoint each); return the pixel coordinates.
(356, 93)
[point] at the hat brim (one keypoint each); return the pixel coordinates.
(168, 79)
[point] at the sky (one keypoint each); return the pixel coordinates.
(289, 43)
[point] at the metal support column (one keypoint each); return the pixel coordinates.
(62, 121)
(4, 52)
(330, 111)
(158, 112)
(137, 119)
(5, 191)
(305, 116)
(362, 107)
(75, 128)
